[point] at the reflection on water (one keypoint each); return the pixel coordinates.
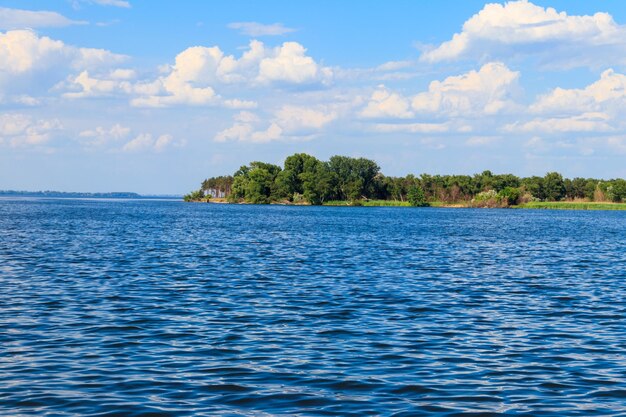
(150, 308)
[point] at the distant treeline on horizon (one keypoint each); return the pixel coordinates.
(63, 194)
(306, 179)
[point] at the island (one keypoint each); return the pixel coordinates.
(347, 181)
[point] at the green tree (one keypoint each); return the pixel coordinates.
(416, 197)
(255, 183)
(616, 191)
(553, 186)
(534, 186)
(197, 195)
(318, 182)
(355, 176)
(288, 181)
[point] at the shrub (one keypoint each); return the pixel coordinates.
(356, 203)
(416, 197)
(509, 196)
(487, 198)
(197, 195)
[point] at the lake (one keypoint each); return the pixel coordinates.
(161, 308)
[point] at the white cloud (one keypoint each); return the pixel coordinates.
(163, 142)
(240, 104)
(519, 28)
(101, 135)
(144, 141)
(385, 104)
(486, 91)
(412, 127)
(297, 119)
(88, 86)
(21, 100)
(23, 51)
(32, 66)
(20, 130)
(147, 142)
(255, 29)
(116, 3)
(598, 107)
(288, 123)
(198, 70)
(289, 63)
(21, 19)
(237, 132)
(609, 92)
(587, 122)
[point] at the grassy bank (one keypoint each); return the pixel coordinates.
(572, 205)
(368, 203)
(548, 205)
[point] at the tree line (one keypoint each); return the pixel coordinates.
(306, 179)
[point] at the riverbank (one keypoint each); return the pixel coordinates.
(535, 205)
(545, 205)
(572, 205)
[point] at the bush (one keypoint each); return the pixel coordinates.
(197, 195)
(416, 197)
(616, 192)
(509, 196)
(487, 198)
(356, 203)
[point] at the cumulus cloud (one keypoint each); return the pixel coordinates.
(606, 94)
(587, 122)
(486, 91)
(30, 64)
(84, 85)
(256, 29)
(20, 19)
(197, 70)
(519, 28)
(598, 107)
(385, 104)
(102, 135)
(287, 123)
(24, 51)
(412, 127)
(147, 142)
(19, 130)
(289, 63)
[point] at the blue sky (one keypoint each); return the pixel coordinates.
(154, 96)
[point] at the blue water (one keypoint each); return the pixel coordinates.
(160, 308)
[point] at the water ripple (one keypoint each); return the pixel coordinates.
(147, 308)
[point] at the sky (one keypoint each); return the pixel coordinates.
(154, 96)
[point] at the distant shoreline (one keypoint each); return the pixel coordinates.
(64, 194)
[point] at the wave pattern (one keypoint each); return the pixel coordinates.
(153, 308)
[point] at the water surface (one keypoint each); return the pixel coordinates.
(159, 308)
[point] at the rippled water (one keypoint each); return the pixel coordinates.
(159, 308)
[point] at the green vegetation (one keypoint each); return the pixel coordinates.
(368, 203)
(197, 195)
(572, 205)
(345, 181)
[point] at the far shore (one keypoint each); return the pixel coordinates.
(537, 205)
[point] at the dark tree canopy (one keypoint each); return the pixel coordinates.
(304, 178)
